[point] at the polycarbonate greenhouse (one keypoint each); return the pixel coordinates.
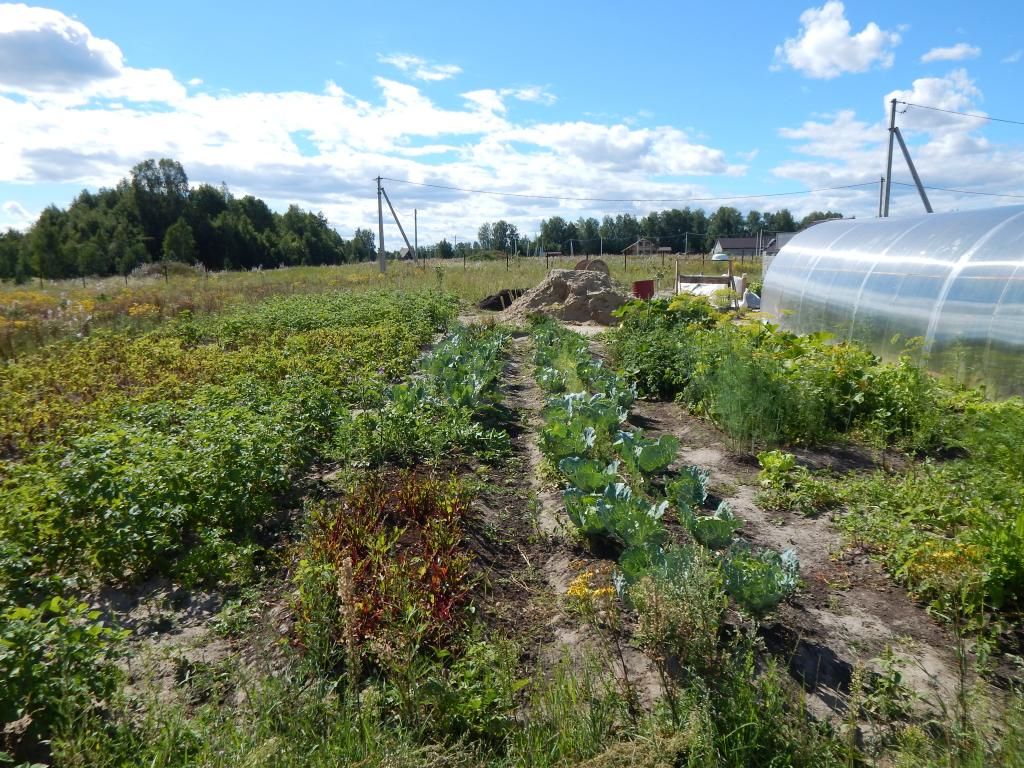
(947, 286)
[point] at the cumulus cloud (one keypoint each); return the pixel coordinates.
(45, 53)
(91, 131)
(420, 68)
(13, 215)
(825, 46)
(532, 93)
(957, 52)
(948, 150)
(956, 91)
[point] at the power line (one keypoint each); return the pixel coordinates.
(962, 114)
(630, 200)
(961, 191)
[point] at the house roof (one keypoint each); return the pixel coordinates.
(770, 241)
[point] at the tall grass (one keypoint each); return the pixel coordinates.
(33, 316)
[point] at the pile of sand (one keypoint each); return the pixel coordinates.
(576, 296)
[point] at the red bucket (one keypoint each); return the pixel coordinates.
(643, 289)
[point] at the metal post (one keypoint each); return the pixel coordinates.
(415, 236)
(381, 259)
(888, 163)
(881, 195)
(913, 171)
(686, 243)
(602, 245)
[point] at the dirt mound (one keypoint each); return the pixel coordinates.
(576, 296)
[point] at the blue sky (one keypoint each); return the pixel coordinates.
(308, 102)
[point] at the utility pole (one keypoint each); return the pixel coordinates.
(888, 163)
(881, 195)
(415, 236)
(381, 259)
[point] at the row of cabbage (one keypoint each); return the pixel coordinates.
(618, 487)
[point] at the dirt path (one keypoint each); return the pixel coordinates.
(848, 611)
(560, 556)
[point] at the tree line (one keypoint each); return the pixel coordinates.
(155, 215)
(684, 231)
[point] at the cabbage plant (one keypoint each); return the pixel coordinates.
(644, 456)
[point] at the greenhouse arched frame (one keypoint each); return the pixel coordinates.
(948, 288)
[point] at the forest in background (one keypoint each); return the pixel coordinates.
(154, 215)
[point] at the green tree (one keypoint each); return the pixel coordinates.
(444, 250)
(814, 216)
(364, 245)
(45, 250)
(555, 234)
(206, 203)
(503, 235)
(11, 243)
(179, 244)
(589, 233)
(724, 222)
(160, 192)
(781, 221)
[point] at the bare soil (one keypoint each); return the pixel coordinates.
(562, 556)
(848, 611)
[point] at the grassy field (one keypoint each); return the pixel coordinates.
(305, 517)
(32, 315)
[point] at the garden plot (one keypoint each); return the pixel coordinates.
(847, 610)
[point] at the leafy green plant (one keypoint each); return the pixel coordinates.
(645, 456)
(787, 486)
(616, 513)
(56, 660)
(588, 475)
(689, 488)
(563, 440)
(713, 531)
(759, 581)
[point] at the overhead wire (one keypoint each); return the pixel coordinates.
(960, 191)
(962, 114)
(626, 199)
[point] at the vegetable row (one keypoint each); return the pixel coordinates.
(618, 487)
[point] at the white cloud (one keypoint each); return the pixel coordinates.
(957, 52)
(948, 150)
(91, 133)
(13, 215)
(45, 53)
(531, 93)
(825, 47)
(420, 68)
(956, 91)
(486, 99)
(1014, 57)
(195, 81)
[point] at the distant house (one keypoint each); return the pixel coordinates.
(768, 244)
(642, 247)
(406, 253)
